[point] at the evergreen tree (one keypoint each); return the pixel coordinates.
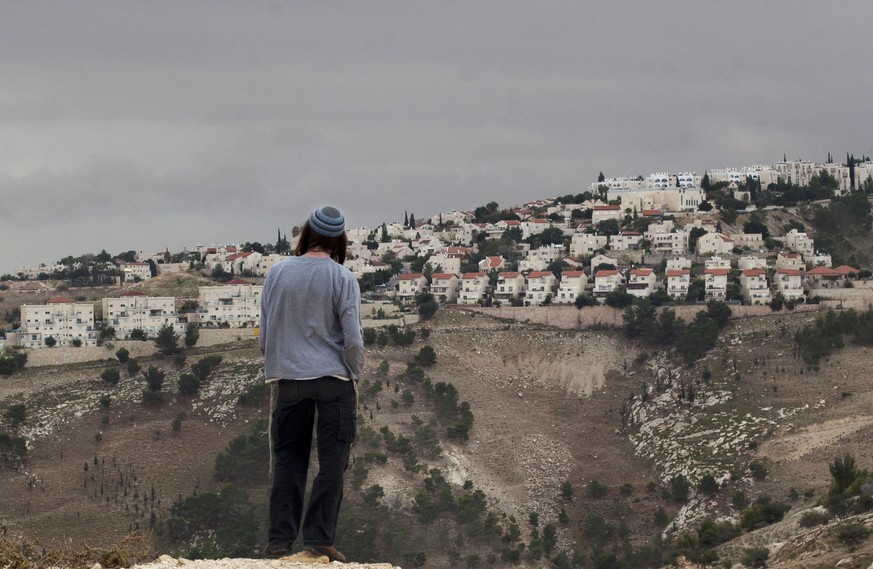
(167, 341)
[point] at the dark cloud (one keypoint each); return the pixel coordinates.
(143, 125)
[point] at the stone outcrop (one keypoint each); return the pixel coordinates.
(302, 560)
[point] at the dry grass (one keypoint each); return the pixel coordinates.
(17, 553)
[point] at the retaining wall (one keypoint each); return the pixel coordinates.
(569, 317)
(137, 348)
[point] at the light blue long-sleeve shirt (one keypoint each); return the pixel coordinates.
(311, 320)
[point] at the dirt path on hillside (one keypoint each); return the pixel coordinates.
(814, 438)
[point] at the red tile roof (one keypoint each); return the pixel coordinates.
(441, 276)
(790, 272)
(652, 212)
(678, 273)
(572, 274)
(754, 272)
(606, 208)
(539, 274)
(606, 273)
(507, 275)
(716, 271)
(469, 276)
(237, 282)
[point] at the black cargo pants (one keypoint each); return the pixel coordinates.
(298, 403)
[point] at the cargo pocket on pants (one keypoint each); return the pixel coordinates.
(348, 425)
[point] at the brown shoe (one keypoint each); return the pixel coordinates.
(277, 549)
(328, 551)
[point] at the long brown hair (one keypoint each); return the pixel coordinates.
(335, 246)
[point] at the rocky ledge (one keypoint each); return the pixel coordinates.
(302, 560)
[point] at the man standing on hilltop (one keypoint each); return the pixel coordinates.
(311, 338)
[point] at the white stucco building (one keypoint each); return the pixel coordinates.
(135, 310)
(63, 319)
(510, 284)
(410, 285)
(585, 244)
(788, 283)
(540, 285)
(754, 286)
(715, 281)
(444, 287)
(641, 282)
(236, 302)
(678, 282)
(473, 288)
(571, 286)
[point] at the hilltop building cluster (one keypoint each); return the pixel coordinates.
(643, 237)
(135, 315)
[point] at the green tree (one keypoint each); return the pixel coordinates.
(708, 484)
(154, 378)
(167, 341)
(188, 384)
(133, 367)
(123, 355)
(426, 357)
(844, 472)
(51, 342)
(223, 521)
(192, 334)
(13, 450)
(111, 375)
(680, 488)
(16, 415)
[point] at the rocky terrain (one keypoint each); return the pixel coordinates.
(552, 407)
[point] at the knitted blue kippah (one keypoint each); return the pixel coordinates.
(327, 221)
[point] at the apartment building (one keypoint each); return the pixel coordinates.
(754, 286)
(410, 285)
(134, 272)
(572, 285)
(66, 321)
(585, 244)
(606, 281)
(626, 241)
(135, 310)
(473, 288)
(714, 244)
(799, 242)
(236, 303)
(789, 261)
(509, 285)
(444, 287)
(641, 282)
(540, 285)
(751, 262)
(715, 281)
(788, 283)
(678, 282)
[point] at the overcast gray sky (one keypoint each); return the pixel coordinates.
(147, 125)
